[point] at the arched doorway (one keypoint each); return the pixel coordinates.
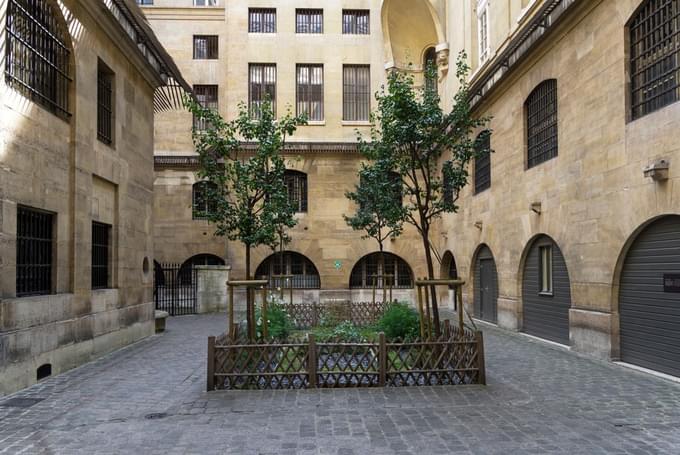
(449, 271)
(649, 298)
(304, 274)
(546, 291)
(185, 274)
(485, 286)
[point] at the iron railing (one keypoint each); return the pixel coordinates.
(175, 289)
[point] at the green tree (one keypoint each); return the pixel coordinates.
(428, 148)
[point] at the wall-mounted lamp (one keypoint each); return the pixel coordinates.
(479, 225)
(657, 171)
(535, 207)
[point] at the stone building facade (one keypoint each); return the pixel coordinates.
(76, 182)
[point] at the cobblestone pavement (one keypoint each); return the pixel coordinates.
(540, 399)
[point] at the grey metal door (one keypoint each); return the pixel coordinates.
(649, 298)
(486, 286)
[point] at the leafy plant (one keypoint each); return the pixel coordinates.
(400, 321)
(279, 324)
(346, 331)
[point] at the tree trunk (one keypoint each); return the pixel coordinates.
(250, 317)
(430, 275)
(381, 270)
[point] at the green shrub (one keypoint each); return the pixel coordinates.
(346, 331)
(400, 321)
(280, 324)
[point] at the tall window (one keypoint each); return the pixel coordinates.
(430, 60)
(309, 91)
(356, 92)
(207, 97)
(203, 200)
(368, 271)
(262, 20)
(34, 251)
(205, 47)
(309, 21)
(296, 182)
(541, 123)
(356, 22)
(261, 85)
(483, 29)
(105, 103)
(655, 56)
(303, 273)
(483, 162)
(37, 57)
(101, 238)
(546, 268)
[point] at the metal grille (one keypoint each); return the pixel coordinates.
(207, 96)
(309, 21)
(356, 22)
(483, 162)
(104, 104)
(174, 288)
(655, 56)
(203, 201)
(205, 47)
(37, 60)
(304, 274)
(309, 93)
(541, 121)
(356, 92)
(261, 85)
(101, 237)
(262, 20)
(34, 252)
(368, 270)
(296, 182)
(430, 60)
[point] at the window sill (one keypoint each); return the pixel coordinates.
(356, 123)
(262, 33)
(316, 123)
(546, 294)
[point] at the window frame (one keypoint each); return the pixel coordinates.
(309, 14)
(351, 99)
(100, 248)
(297, 187)
(310, 90)
(209, 206)
(253, 13)
(211, 44)
(546, 283)
(369, 265)
(483, 31)
(482, 169)
(353, 27)
(263, 90)
(106, 104)
(39, 242)
(542, 132)
(308, 279)
(213, 103)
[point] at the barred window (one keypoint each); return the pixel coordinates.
(309, 21)
(105, 103)
(430, 59)
(145, 2)
(483, 29)
(296, 183)
(101, 238)
(655, 56)
(34, 252)
(483, 162)
(261, 85)
(205, 47)
(309, 92)
(541, 123)
(262, 20)
(356, 92)
(367, 272)
(37, 54)
(205, 2)
(207, 97)
(203, 200)
(304, 274)
(356, 22)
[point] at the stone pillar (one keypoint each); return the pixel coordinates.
(211, 293)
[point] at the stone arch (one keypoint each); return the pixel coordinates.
(484, 252)
(304, 271)
(185, 275)
(359, 277)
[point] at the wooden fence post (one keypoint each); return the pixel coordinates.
(480, 357)
(421, 313)
(447, 329)
(459, 305)
(211, 364)
(265, 328)
(382, 360)
(231, 311)
(311, 361)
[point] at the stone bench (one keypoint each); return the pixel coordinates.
(161, 316)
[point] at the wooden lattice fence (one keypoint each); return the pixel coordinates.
(360, 314)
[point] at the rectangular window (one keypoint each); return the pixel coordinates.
(356, 92)
(261, 86)
(262, 20)
(205, 2)
(355, 22)
(545, 253)
(205, 47)
(309, 21)
(34, 252)
(483, 26)
(309, 91)
(207, 96)
(101, 238)
(483, 162)
(541, 123)
(105, 102)
(145, 2)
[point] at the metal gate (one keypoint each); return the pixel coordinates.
(174, 288)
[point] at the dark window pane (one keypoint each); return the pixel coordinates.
(309, 93)
(356, 92)
(483, 162)
(34, 252)
(355, 22)
(309, 21)
(101, 234)
(261, 85)
(296, 182)
(205, 47)
(541, 121)
(105, 103)
(262, 20)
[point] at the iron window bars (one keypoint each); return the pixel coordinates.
(304, 273)
(101, 238)
(296, 183)
(309, 91)
(34, 252)
(105, 101)
(262, 20)
(655, 56)
(308, 21)
(37, 60)
(430, 59)
(207, 97)
(356, 22)
(205, 47)
(541, 123)
(356, 92)
(368, 268)
(205, 2)
(261, 85)
(483, 162)
(203, 201)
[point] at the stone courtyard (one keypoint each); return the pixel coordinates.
(150, 398)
